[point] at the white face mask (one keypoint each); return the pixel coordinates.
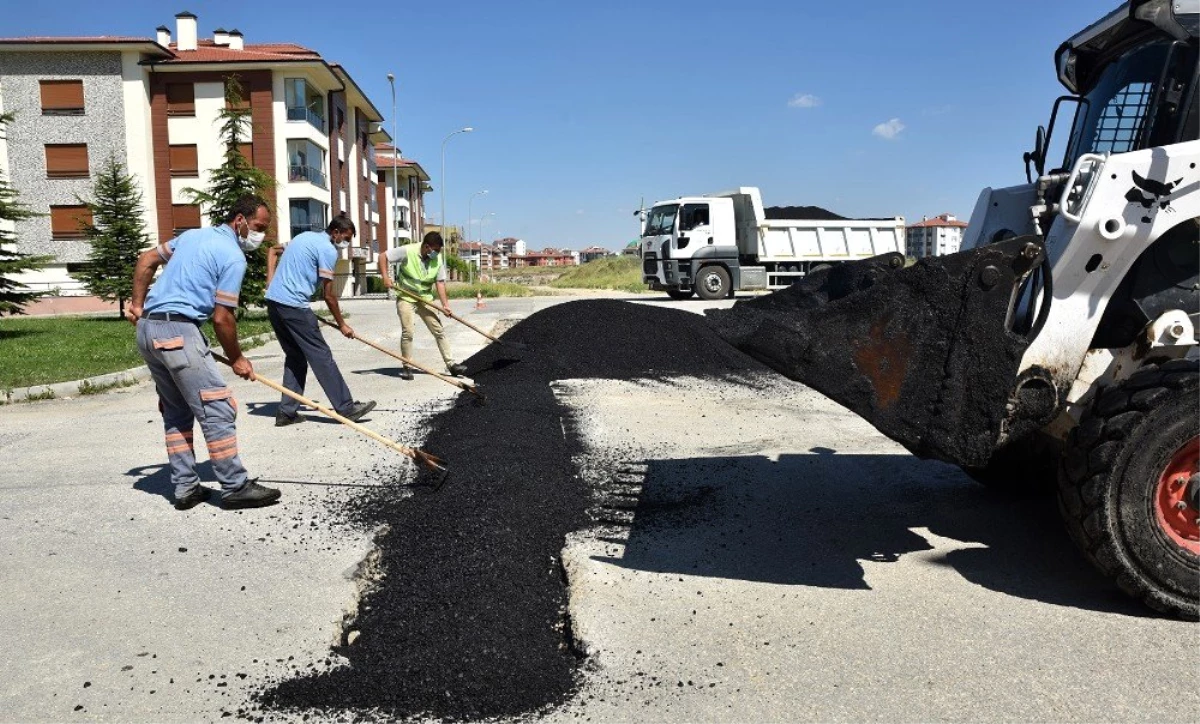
(252, 241)
(344, 244)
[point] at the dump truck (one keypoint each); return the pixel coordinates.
(1059, 347)
(717, 244)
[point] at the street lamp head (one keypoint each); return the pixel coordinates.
(391, 77)
(468, 129)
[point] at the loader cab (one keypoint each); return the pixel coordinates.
(1143, 98)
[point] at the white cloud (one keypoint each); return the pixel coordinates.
(804, 100)
(889, 130)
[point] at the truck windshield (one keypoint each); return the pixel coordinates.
(661, 220)
(1114, 116)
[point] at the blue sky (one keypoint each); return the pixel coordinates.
(582, 110)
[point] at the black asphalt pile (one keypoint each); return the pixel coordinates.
(469, 619)
(811, 213)
(922, 352)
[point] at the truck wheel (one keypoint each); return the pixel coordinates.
(712, 283)
(1025, 467)
(1129, 484)
(679, 293)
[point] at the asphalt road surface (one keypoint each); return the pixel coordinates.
(777, 560)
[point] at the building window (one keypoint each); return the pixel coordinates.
(181, 99)
(304, 103)
(68, 222)
(373, 195)
(306, 162)
(306, 215)
(184, 217)
(62, 97)
(66, 160)
(183, 161)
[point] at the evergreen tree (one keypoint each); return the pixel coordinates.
(14, 295)
(117, 234)
(234, 178)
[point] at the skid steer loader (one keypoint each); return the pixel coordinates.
(1061, 343)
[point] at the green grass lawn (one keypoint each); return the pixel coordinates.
(621, 273)
(45, 350)
(459, 290)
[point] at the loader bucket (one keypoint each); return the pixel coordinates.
(924, 353)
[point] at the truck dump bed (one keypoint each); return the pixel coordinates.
(784, 241)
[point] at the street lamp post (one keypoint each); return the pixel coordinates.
(395, 235)
(466, 129)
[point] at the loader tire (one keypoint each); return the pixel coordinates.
(1023, 468)
(679, 293)
(712, 283)
(1127, 486)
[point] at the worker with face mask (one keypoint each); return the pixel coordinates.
(202, 279)
(420, 269)
(307, 263)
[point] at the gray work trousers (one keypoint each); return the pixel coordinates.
(190, 388)
(299, 335)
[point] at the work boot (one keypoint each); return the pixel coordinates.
(282, 420)
(358, 410)
(458, 370)
(406, 373)
(250, 495)
(198, 495)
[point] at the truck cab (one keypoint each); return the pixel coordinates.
(688, 246)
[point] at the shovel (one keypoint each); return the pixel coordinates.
(415, 298)
(432, 463)
(473, 389)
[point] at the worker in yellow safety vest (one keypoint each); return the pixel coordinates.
(420, 269)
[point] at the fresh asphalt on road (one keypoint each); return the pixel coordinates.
(782, 562)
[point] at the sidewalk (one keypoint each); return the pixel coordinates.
(49, 306)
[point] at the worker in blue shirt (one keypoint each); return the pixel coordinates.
(202, 279)
(307, 262)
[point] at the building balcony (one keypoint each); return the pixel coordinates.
(298, 229)
(312, 175)
(307, 114)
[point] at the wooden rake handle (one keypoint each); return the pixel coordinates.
(453, 316)
(430, 461)
(461, 385)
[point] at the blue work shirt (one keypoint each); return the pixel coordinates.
(308, 258)
(204, 268)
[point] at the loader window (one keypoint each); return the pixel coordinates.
(1116, 109)
(693, 215)
(661, 220)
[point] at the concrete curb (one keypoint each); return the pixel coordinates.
(98, 384)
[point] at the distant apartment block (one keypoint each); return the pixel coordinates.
(592, 253)
(154, 104)
(934, 237)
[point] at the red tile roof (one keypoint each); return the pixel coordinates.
(209, 52)
(943, 220)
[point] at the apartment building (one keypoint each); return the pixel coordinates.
(934, 237)
(154, 103)
(410, 183)
(592, 253)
